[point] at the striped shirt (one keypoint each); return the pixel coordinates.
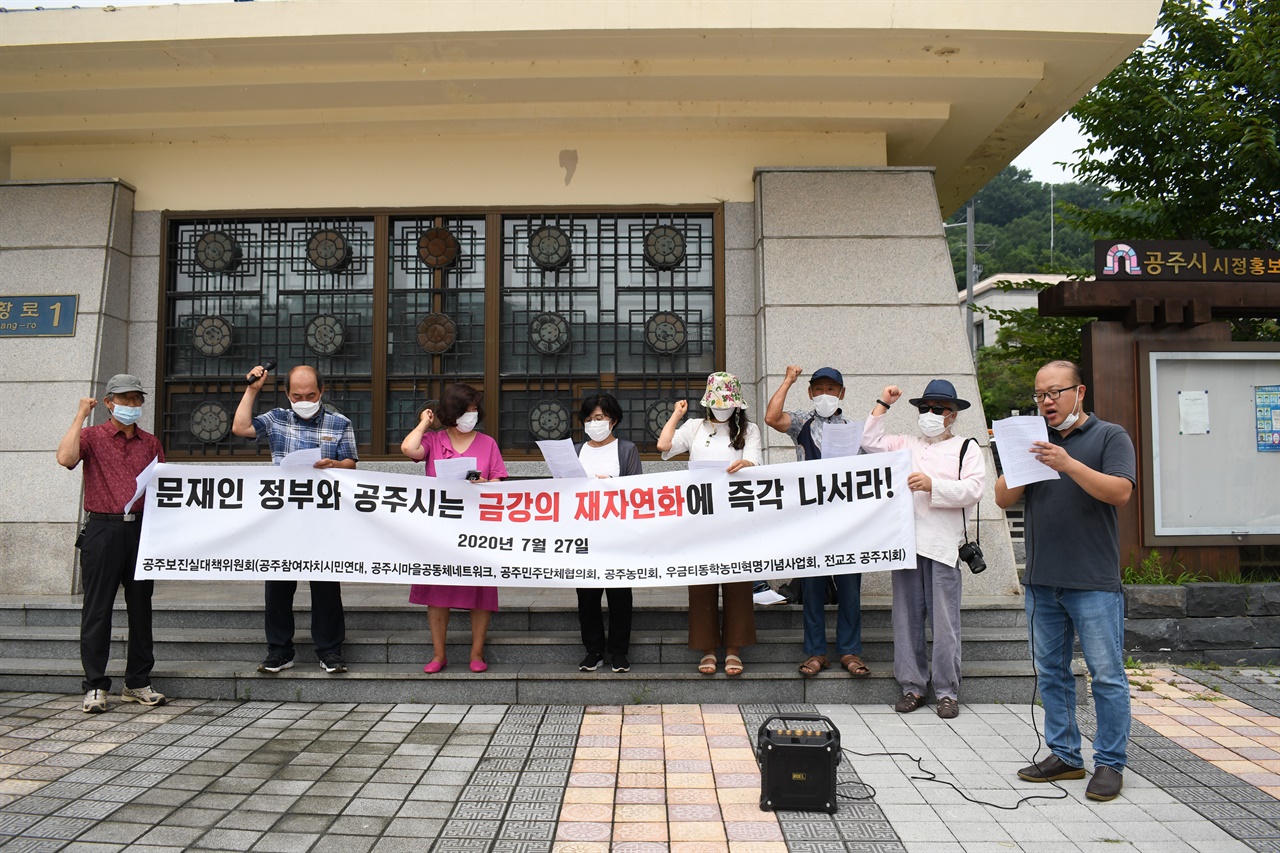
(286, 432)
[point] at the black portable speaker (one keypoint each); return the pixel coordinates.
(798, 765)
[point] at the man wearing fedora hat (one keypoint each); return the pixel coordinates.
(943, 486)
(114, 453)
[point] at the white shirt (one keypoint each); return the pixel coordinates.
(705, 439)
(940, 513)
(600, 461)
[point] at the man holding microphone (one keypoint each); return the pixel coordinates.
(305, 425)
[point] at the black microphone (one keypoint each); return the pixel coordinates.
(267, 367)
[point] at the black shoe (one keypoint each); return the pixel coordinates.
(275, 663)
(621, 664)
(333, 663)
(591, 662)
(1051, 769)
(1105, 784)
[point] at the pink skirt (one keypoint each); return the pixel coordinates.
(455, 597)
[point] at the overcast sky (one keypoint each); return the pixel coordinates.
(1057, 144)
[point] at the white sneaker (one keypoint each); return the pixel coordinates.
(95, 701)
(142, 695)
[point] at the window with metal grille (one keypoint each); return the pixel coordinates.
(537, 310)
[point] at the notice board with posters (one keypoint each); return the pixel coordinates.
(1211, 476)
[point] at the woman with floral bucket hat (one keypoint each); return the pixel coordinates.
(722, 434)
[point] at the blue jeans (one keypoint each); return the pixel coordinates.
(848, 615)
(1055, 617)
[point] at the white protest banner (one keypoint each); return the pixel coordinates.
(821, 517)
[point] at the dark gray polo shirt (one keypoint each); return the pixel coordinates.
(1073, 539)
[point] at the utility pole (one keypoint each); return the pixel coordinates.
(968, 278)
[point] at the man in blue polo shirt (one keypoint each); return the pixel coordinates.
(1073, 579)
(826, 391)
(303, 426)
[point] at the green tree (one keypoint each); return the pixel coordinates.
(1024, 343)
(1012, 231)
(1184, 131)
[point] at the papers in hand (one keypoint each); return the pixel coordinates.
(709, 464)
(841, 440)
(768, 596)
(1013, 444)
(143, 479)
(455, 469)
(563, 462)
(301, 458)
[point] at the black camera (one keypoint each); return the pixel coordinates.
(971, 553)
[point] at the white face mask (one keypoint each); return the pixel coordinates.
(826, 404)
(467, 422)
(931, 425)
(598, 430)
(1070, 420)
(721, 415)
(306, 409)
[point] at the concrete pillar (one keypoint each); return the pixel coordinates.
(853, 271)
(56, 237)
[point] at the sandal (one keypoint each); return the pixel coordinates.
(814, 665)
(948, 708)
(707, 666)
(732, 665)
(854, 666)
(908, 703)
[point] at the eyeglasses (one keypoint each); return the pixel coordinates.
(1041, 396)
(937, 410)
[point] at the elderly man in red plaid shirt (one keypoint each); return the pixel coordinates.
(114, 454)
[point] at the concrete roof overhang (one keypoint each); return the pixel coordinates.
(959, 86)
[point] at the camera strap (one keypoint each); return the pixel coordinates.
(977, 509)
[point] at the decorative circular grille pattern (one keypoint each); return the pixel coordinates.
(210, 422)
(549, 420)
(664, 247)
(328, 251)
(665, 333)
(437, 333)
(217, 251)
(438, 248)
(211, 336)
(549, 248)
(549, 333)
(657, 415)
(326, 334)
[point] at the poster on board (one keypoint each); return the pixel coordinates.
(1266, 403)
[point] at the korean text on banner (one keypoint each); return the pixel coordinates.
(820, 517)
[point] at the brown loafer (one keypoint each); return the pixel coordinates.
(1051, 769)
(908, 703)
(1105, 785)
(948, 708)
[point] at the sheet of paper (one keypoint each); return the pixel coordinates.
(143, 479)
(768, 596)
(1193, 412)
(301, 458)
(841, 440)
(1013, 444)
(562, 460)
(709, 464)
(455, 469)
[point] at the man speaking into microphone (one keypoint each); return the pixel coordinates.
(305, 425)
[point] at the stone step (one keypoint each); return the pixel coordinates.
(553, 647)
(1007, 682)
(391, 612)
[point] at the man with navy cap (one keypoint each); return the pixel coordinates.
(826, 391)
(114, 454)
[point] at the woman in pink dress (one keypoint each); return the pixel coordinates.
(459, 412)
